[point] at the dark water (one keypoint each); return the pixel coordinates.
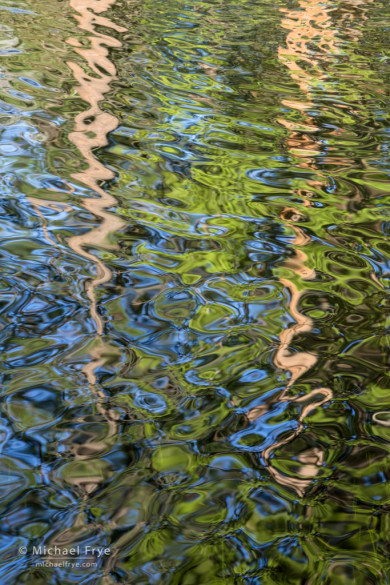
(194, 291)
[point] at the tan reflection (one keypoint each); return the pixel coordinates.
(376, 417)
(297, 363)
(90, 132)
(312, 41)
(312, 44)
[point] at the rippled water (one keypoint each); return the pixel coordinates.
(195, 276)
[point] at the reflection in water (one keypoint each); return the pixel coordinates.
(297, 364)
(91, 130)
(90, 133)
(310, 27)
(194, 291)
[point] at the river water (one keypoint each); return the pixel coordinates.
(195, 291)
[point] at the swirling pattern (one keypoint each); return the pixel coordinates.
(195, 278)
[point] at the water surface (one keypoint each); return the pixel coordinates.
(195, 290)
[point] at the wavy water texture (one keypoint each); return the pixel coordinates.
(310, 27)
(91, 130)
(195, 291)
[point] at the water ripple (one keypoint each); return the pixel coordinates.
(194, 290)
